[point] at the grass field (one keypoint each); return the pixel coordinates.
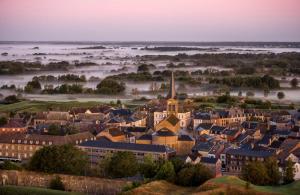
(18, 190)
(38, 106)
(215, 186)
(289, 189)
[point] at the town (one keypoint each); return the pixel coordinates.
(225, 141)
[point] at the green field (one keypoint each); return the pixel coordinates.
(289, 189)
(18, 190)
(38, 106)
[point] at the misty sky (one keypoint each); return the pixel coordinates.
(150, 20)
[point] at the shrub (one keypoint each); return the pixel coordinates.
(57, 184)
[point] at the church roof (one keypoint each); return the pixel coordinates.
(172, 119)
(164, 132)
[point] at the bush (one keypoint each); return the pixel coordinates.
(7, 165)
(57, 184)
(193, 175)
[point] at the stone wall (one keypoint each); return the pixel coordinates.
(86, 185)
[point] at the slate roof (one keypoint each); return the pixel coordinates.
(251, 152)
(217, 128)
(103, 143)
(185, 138)
(209, 160)
(145, 137)
(204, 126)
(136, 129)
(121, 112)
(202, 146)
(203, 116)
(164, 132)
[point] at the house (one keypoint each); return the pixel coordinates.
(113, 134)
(14, 125)
(19, 146)
(98, 149)
(213, 164)
(236, 158)
(52, 117)
(193, 159)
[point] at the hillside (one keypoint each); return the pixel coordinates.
(18, 190)
(229, 184)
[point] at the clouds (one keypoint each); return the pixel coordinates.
(178, 20)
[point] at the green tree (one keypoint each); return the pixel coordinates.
(294, 83)
(110, 86)
(272, 171)
(178, 163)
(166, 172)
(3, 121)
(57, 184)
(32, 85)
(103, 166)
(289, 172)
(54, 129)
(193, 175)
(123, 164)
(280, 95)
(256, 173)
(59, 159)
(148, 168)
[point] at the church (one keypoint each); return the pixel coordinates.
(168, 125)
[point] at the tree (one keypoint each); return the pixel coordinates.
(59, 159)
(57, 184)
(178, 163)
(143, 68)
(123, 164)
(32, 85)
(148, 168)
(54, 129)
(272, 171)
(103, 166)
(294, 83)
(280, 95)
(11, 99)
(256, 173)
(166, 172)
(3, 121)
(193, 175)
(289, 172)
(110, 86)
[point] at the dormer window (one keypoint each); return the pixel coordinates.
(19, 141)
(13, 141)
(50, 143)
(37, 142)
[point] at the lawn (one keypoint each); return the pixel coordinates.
(289, 189)
(19, 190)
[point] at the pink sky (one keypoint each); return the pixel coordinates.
(150, 20)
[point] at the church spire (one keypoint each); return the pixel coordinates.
(172, 92)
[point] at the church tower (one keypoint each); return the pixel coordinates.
(172, 103)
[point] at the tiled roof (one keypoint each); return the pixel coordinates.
(217, 128)
(203, 146)
(102, 143)
(115, 132)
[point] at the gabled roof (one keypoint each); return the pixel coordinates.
(103, 143)
(203, 116)
(202, 146)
